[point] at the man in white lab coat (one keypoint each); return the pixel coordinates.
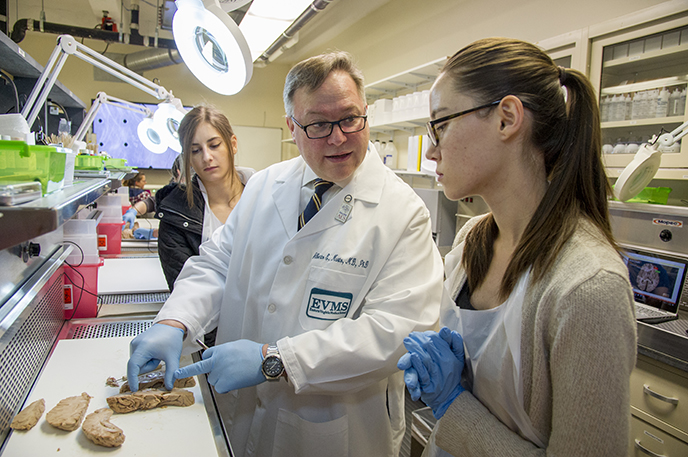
(319, 312)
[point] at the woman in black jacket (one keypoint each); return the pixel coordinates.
(210, 186)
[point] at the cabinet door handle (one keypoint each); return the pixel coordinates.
(645, 450)
(652, 393)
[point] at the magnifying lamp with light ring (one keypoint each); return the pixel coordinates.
(150, 136)
(212, 46)
(645, 164)
(167, 119)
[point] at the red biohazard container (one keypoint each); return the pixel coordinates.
(110, 238)
(81, 290)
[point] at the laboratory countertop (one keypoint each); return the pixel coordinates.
(666, 342)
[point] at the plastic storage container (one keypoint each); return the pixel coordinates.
(86, 162)
(81, 290)
(655, 195)
(110, 226)
(83, 235)
(123, 193)
(116, 164)
(20, 162)
(110, 238)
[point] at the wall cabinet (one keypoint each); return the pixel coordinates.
(641, 73)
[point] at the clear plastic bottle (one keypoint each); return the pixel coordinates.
(673, 102)
(381, 151)
(644, 104)
(378, 147)
(604, 109)
(628, 102)
(637, 100)
(681, 108)
(652, 97)
(662, 103)
(391, 155)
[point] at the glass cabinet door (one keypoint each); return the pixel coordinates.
(641, 76)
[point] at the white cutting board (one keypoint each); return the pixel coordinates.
(128, 276)
(83, 366)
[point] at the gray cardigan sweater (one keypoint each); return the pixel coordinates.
(578, 349)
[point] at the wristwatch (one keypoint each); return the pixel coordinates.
(272, 364)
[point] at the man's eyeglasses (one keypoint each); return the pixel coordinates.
(317, 130)
(432, 131)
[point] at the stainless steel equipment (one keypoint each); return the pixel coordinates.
(664, 229)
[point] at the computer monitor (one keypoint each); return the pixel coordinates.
(658, 280)
(116, 133)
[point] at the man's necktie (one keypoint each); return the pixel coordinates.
(315, 202)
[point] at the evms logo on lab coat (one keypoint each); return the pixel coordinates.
(328, 305)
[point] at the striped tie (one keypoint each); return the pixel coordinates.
(315, 202)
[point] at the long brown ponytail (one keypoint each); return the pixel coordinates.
(566, 128)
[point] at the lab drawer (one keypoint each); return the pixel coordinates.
(649, 440)
(661, 393)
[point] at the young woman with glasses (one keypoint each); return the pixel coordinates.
(538, 334)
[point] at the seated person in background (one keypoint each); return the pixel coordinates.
(209, 188)
(537, 299)
(142, 202)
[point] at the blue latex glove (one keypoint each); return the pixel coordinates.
(129, 216)
(143, 233)
(230, 366)
(160, 342)
(432, 368)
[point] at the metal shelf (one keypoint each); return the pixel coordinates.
(409, 125)
(24, 222)
(405, 82)
(20, 65)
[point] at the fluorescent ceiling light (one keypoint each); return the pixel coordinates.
(266, 20)
(212, 46)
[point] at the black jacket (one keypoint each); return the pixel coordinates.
(181, 227)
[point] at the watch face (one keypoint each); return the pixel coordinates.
(272, 366)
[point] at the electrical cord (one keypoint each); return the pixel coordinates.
(81, 288)
(53, 102)
(7, 78)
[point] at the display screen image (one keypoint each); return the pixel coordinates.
(116, 134)
(656, 281)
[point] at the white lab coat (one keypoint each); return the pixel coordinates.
(260, 279)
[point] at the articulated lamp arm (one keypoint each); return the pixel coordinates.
(102, 98)
(66, 46)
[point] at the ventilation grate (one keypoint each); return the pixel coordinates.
(25, 353)
(110, 329)
(679, 326)
(134, 299)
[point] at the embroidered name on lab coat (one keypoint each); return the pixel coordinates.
(328, 305)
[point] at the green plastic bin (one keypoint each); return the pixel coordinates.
(20, 162)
